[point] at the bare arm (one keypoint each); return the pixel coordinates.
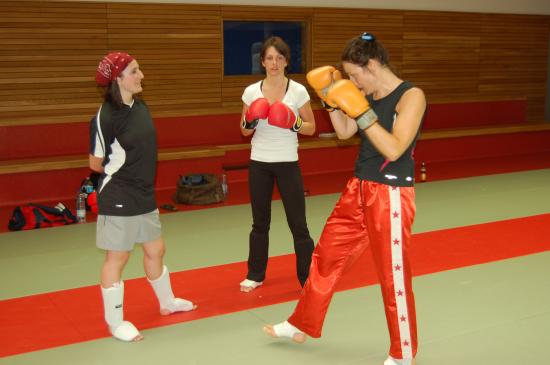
(96, 163)
(344, 126)
(245, 132)
(410, 110)
(308, 126)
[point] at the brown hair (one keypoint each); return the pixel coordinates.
(361, 49)
(112, 94)
(279, 45)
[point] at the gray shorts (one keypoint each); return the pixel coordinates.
(116, 233)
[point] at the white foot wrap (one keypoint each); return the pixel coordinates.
(391, 361)
(250, 284)
(163, 290)
(285, 329)
(113, 305)
(179, 305)
(125, 331)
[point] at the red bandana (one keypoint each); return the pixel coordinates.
(111, 66)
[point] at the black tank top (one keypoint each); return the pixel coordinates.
(370, 164)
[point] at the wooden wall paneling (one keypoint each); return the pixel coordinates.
(441, 54)
(514, 59)
(48, 52)
(535, 108)
(179, 50)
(333, 28)
(267, 13)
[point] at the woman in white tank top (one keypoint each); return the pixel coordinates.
(275, 110)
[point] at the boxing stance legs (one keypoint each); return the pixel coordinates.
(366, 214)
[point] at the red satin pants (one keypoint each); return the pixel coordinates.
(367, 214)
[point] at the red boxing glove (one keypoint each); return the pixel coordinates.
(91, 200)
(259, 109)
(280, 115)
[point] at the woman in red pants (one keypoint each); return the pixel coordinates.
(377, 206)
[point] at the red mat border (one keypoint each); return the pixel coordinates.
(65, 317)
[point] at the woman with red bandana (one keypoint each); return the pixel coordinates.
(275, 110)
(377, 206)
(123, 149)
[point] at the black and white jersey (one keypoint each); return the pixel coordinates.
(126, 139)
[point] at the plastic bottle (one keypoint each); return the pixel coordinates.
(81, 207)
(224, 184)
(423, 172)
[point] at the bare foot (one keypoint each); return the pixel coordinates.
(248, 285)
(137, 338)
(247, 289)
(298, 337)
(167, 312)
(178, 305)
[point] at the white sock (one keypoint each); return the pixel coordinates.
(285, 329)
(163, 290)
(113, 305)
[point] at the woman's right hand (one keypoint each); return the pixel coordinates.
(258, 109)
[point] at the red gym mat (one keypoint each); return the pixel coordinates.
(60, 318)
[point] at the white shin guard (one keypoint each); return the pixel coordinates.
(113, 305)
(163, 290)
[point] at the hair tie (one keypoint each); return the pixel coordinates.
(366, 36)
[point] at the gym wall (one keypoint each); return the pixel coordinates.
(50, 51)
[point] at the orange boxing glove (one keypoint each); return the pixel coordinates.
(321, 80)
(349, 98)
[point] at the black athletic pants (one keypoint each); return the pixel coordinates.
(261, 179)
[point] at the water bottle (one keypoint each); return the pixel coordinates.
(224, 185)
(81, 207)
(422, 172)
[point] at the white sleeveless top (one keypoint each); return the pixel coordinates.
(274, 144)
